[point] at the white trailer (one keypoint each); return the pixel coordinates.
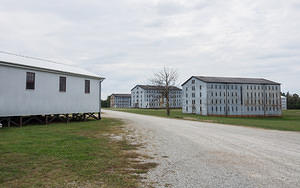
(44, 90)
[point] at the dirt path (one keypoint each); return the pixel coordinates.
(196, 154)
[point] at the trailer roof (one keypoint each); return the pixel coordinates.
(14, 60)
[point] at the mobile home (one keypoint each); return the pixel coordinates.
(32, 87)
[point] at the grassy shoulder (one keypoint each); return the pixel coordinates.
(290, 120)
(81, 154)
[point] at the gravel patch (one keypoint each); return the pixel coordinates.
(197, 154)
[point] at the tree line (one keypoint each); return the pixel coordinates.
(105, 103)
(293, 100)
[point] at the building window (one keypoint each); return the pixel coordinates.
(200, 87)
(87, 86)
(30, 80)
(193, 88)
(193, 95)
(62, 84)
(193, 81)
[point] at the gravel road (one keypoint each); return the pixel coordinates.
(197, 154)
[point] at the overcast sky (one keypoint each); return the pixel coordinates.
(126, 41)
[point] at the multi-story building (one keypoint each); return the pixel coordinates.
(120, 101)
(149, 96)
(221, 96)
(283, 103)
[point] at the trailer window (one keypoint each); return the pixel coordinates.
(87, 86)
(62, 84)
(30, 80)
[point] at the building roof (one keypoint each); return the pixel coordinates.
(14, 60)
(121, 95)
(233, 80)
(153, 87)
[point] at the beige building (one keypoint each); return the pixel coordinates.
(120, 101)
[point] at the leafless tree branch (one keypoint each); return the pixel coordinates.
(165, 78)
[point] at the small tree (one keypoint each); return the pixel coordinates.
(166, 78)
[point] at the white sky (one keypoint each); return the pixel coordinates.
(126, 41)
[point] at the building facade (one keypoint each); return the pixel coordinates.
(222, 96)
(148, 96)
(283, 103)
(120, 101)
(34, 87)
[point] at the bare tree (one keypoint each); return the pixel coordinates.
(166, 79)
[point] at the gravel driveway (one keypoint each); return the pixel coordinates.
(197, 154)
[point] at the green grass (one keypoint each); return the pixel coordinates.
(80, 154)
(290, 120)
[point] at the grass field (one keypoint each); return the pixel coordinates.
(290, 121)
(80, 154)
